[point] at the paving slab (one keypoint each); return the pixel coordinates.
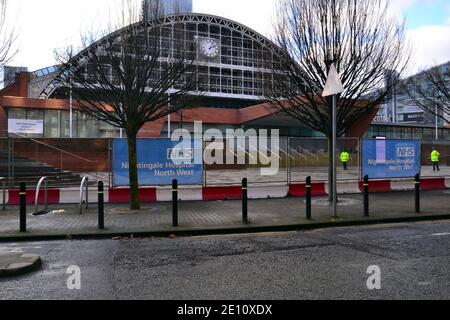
(14, 264)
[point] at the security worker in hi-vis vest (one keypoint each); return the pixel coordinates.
(345, 157)
(435, 159)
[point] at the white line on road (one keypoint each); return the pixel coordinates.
(440, 234)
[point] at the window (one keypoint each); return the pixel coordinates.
(51, 124)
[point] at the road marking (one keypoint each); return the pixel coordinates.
(12, 249)
(440, 234)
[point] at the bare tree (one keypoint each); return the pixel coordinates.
(430, 90)
(130, 77)
(7, 37)
(359, 36)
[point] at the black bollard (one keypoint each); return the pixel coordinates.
(308, 198)
(175, 203)
(23, 207)
(101, 206)
(417, 187)
(245, 201)
(366, 196)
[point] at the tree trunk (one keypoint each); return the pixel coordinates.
(135, 203)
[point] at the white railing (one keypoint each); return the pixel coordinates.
(3, 180)
(38, 189)
(84, 187)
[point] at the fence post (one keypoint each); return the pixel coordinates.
(308, 198)
(417, 188)
(101, 206)
(245, 201)
(23, 207)
(175, 203)
(366, 196)
(4, 194)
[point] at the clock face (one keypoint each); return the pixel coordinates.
(209, 48)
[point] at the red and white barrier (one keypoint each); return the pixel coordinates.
(214, 193)
(267, 192)
(184, 194)
(72, 195)
(346, 187)
(404, 185)
(299, 190)
(376, 186)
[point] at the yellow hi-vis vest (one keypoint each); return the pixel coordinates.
(435, 156)
(345, 157)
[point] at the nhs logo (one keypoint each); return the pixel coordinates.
(406, 152)
(180, 154)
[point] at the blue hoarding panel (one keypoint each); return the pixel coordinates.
(391, 158)
(159, 162)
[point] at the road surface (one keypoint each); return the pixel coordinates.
(413, 259)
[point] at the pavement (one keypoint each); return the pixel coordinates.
(14, 264)
(220, 217)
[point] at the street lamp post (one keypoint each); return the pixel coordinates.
(333, 87)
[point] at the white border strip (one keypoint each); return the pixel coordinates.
(447, 182)
(184, 194)
(346, 187)
(402, 185)
(72, 196)
(261, 192)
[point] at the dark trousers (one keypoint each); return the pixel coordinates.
(345, 165)
(436, 166)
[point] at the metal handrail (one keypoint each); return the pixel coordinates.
(4, 192)
(298, 153)
(272, 153)
(246, 152)
(54, 148)
(286, 153)
(38, 189)
(308, 152)
(322, 153)
(84, 185)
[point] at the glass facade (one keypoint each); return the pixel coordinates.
(57, 123)
(240, 69)
(405, 132)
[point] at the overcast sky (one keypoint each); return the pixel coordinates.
(45, 25)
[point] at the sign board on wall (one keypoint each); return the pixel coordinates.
(160, 161)
(391, 158)
(25, 126)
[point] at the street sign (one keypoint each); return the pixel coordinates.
(160, 161)
(334, 84)
(21, 126)
(394, 158)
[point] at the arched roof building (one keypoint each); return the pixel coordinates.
(234, 67)
(232, 75)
